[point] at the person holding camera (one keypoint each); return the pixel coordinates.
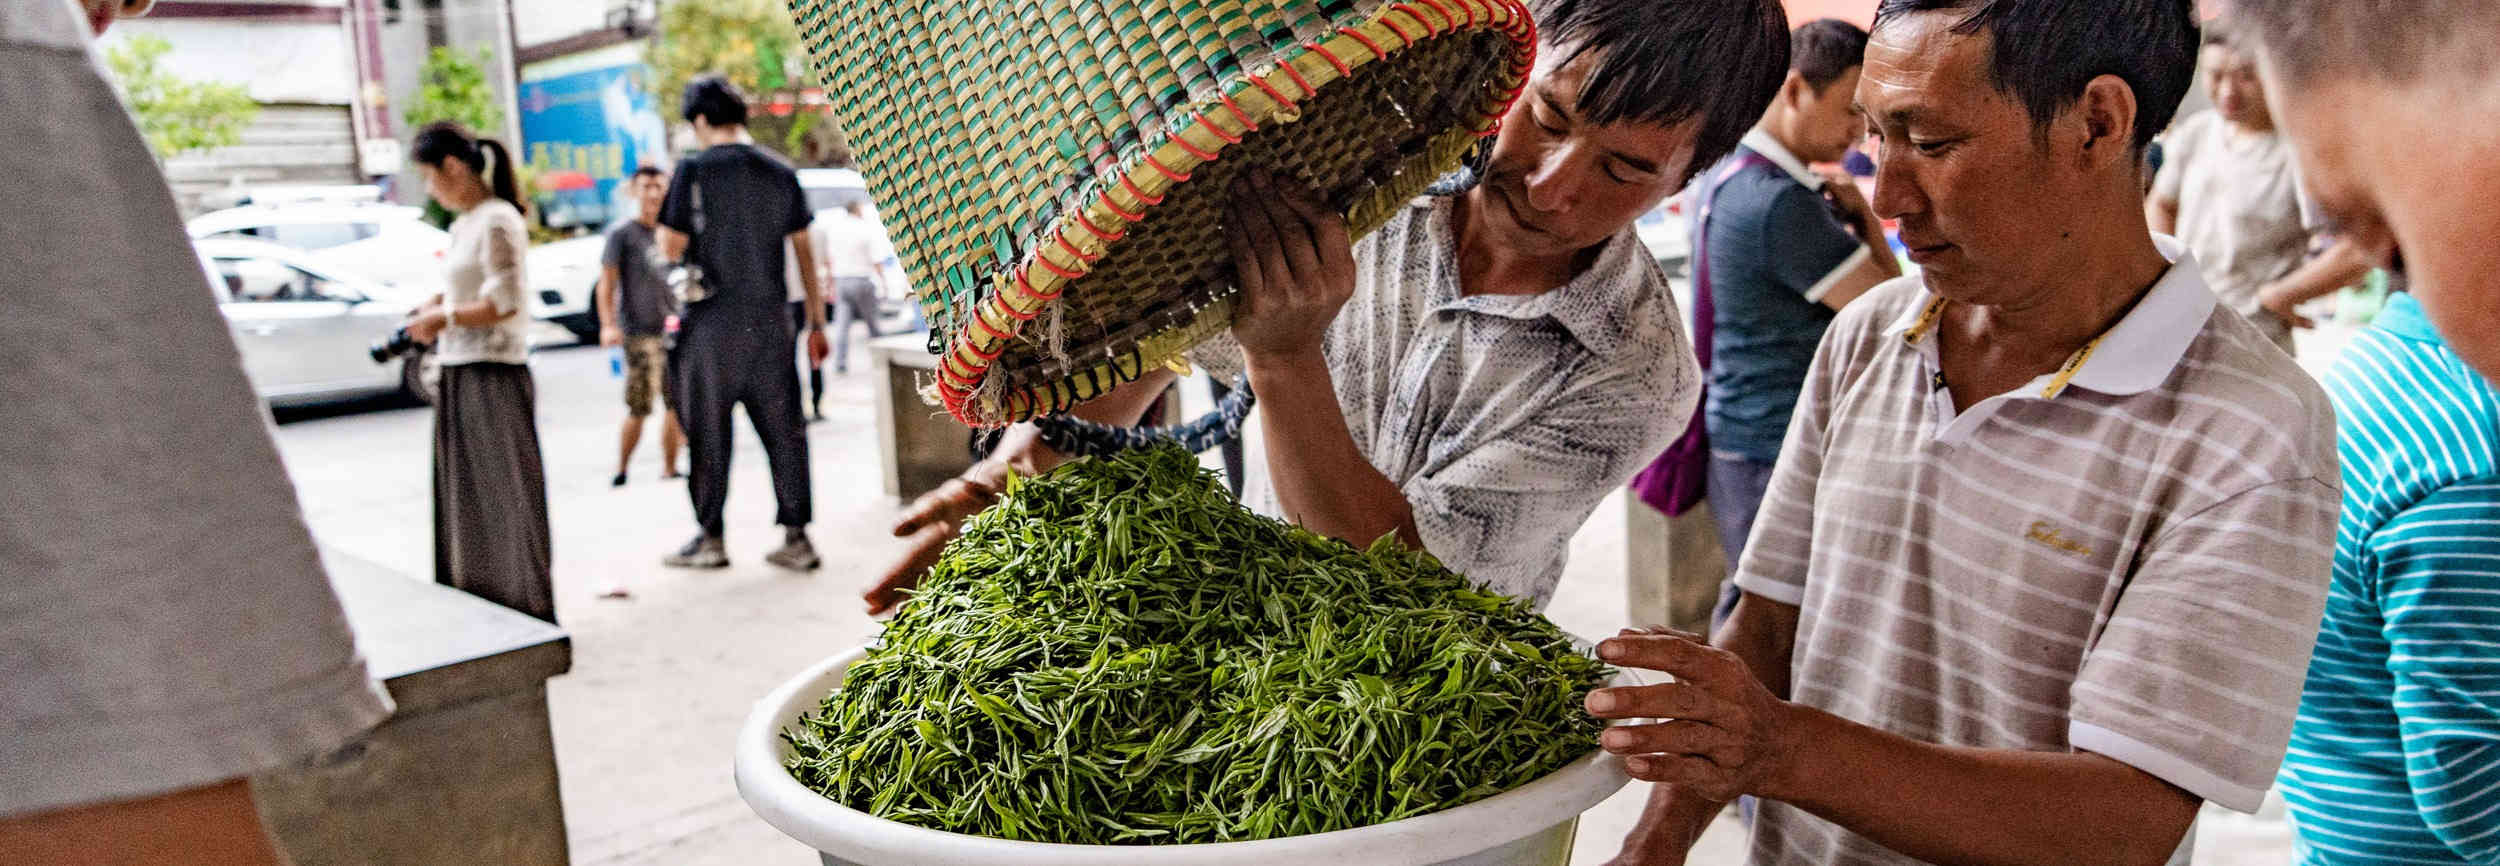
(490, 492)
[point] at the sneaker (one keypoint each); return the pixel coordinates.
(703, 552)
(795, 553)
(618, 481)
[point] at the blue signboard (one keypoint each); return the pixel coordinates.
(584, 132)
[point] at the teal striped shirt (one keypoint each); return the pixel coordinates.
(2396, 754)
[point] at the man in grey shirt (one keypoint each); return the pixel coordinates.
(166, 629)
(634, 307)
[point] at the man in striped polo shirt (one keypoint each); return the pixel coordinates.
(2041, 564)
(2396, 757)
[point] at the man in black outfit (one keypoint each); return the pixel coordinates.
(730, 207)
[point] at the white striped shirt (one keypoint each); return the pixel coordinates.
(2130, 561)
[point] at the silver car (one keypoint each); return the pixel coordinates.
(306, 330)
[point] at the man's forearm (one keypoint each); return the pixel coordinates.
(606, 298)
(1956, 805)
(1324, 482)
(2339, 266)
(1022, 450)
(216, 825)
(672, 244)
(805, 249)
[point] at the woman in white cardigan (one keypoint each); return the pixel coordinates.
(490, 490)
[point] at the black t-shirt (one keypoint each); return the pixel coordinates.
(642, 296)
(751, 204)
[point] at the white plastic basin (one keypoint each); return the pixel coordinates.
(1530, 825)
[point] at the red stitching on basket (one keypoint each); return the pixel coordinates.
(1062, 237)
(1139, 194)
(1054, 267)
(948, 378)
(1377, 54)
(1430, 28)
(1125, 215)
(1174, 176)
(1272, 92)
(1202, 156)
(992, 354)
(1107, 237)
(1343, 70)
(1446, 17)
(1228, 138)
(1296, 75)
(1246, 124)
(1027, 288)
(1471, 10)
(1401, 32)
(983, 322)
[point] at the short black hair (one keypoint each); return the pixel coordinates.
(714, 99)
(2045, 52)
(648, 170)
(1666, 61)
(1824, 49)
(2306, 41)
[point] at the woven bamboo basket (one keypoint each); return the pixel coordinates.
(1053, 171)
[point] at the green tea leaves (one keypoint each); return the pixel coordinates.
(1117, 653)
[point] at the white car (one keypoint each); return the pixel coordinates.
(389, 243)
(564, 278)
(305, 329)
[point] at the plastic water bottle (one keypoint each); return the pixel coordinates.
(616, 362)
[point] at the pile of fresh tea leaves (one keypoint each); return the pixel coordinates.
(1118, 653)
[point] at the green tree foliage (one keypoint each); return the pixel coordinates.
(177, 116)
(755, 45)
(452, 86)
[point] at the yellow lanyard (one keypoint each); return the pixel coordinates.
(2057, 384)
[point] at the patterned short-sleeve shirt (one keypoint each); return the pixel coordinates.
(1504, 419)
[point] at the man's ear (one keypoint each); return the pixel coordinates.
(2106, 112)
(1794, 89)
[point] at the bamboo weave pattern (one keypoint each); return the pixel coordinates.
(1052, 171)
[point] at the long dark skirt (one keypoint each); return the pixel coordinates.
(490, 491)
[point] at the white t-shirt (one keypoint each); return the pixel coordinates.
(164, 620)
(2239, 210)
(847, 244)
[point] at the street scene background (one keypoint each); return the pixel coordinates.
(660, 680)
